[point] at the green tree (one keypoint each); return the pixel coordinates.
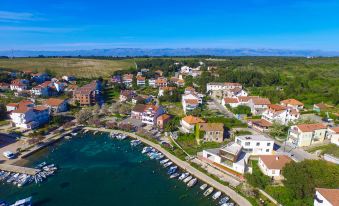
(3, 113)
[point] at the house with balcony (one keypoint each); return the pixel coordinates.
(56, 105)
(127, 79)
(280, 114)
(151, 113)
(188, 123)
(258, 105)
(232, 102)
(191, 99)
(304, 135)
(220, 89)
(161, 82)
(88, 94)
(19, 85)
(333, 135)
(127, 95)
(29, 117)
(292, 103)
(177, 81)
(255, 144)
(23, 103)
(235, 92)
(141, 81)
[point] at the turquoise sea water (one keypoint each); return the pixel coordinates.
(97, 170)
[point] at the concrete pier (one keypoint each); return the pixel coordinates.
(18, 169)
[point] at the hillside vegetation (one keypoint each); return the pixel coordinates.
(84, 68)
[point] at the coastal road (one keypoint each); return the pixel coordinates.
(296, 154)
(240, 200)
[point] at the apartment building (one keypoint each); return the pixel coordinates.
(307, 134)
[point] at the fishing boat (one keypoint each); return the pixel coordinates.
(172, 170)
(42, 164)
(216, 195)
(203, 187)
(168, 164)
(224, 200)
(160, 156)
(192, 182)
(164, 161)
(183, 176)
(187, 179)
(135, 142)
(146, 150)
(208, 191)
(174, 175)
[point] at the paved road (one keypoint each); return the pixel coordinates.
(240, 200)
(297, 154)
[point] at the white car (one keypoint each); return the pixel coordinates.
(9, 154)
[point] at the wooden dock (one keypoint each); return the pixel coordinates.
(18, 169)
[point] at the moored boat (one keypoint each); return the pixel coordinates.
(216, 195)
(184, 175)
(208, 191)
(203, 187)
(168, 164)
(174, 175)
(192, 182)
(187, 179)
(224, 200)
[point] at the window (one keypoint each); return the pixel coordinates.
(268, 144)
(247, 143)
(258, 143)
(267, 150)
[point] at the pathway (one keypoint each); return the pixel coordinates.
(240, 200)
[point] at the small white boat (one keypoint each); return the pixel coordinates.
(203, 187)
(146, 150)
(168, 164)
(184, 175)
(192, 182)
(208, 191)
(135, 143)
(224, 200)
(174, 175)
(216, 195)
(164, 161)
(187, 179)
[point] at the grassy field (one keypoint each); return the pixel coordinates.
(83, 68)
(331, 149)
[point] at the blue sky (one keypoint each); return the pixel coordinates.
(71, 25)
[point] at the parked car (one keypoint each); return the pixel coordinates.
(9, 155)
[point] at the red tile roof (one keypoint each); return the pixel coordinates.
(291, 102)
(229, 100)
(191, 101)
(192, 120)
(331, 195)
(54, 102)
(276, 162)
(261, 101)
(311, 127)
(211, 126)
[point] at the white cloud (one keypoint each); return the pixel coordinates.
(37, 29)
(17, 16)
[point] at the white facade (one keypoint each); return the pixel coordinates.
(282, 117)
(213, 86)
(30, 118)
(326, 197)
(255, 144)
(150, 115)
(301, 138)
(190, 102)
(333, 135)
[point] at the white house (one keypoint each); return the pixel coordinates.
(190, 102)
(333, 135)
(258, 105)
(307, 134)
(235, 92)
(255, 144)
(56, 105)
(233, 102)
(229, 156)
(127, 79)
(19, 85)
(292, 103)
(14, 106)
(326, 197)
(271, 165)
(141, 81)
(151, 113)
(30, 117)
(214, 86)
(188, 123)
(162, 90)
(151, 82)
(280, 114)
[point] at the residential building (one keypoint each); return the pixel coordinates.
(4, 86)
(258, 105)
(261, 125)
(56, 105)
(151, 83)
(127, 79)
(30, 117)
(162, 120)
(232, 102)
(116, 79)
(127, 95)
(188, 123)
(292, 103)
(321, 107)
(228, 158)
(307, 134)
(280, 114)
(326, 197)
(177, 81)
(185, 70)
(68, 78)
(48, 88)
(214, 86)
(14, 106)
(40, 77)
(213, 132)
(255, 144)
(235, 92)
(19, 85)
(159, 73)
(141, 81)
(161, 82)
(151, 114)
(88, 94)
(41, 90)
(272, 165)
(162, 90)
(191, 99)
(333, 135)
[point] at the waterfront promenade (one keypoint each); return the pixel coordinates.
(240, 200)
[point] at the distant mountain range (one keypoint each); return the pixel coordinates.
(123, 52)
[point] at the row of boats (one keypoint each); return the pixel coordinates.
(23, 202)
(185, 177)
(20, 180)
(118, 136)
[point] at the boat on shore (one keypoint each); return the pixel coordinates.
(192, 182)
(174, 175)
(216, 195)
(208, 191)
